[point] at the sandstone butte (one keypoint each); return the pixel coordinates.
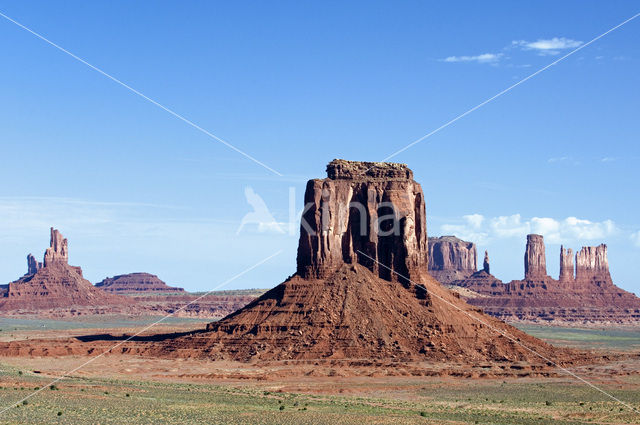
(584, 291)
(136, 283)
(54, 284)
(353, 294)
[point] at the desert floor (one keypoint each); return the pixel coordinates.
(116, 389)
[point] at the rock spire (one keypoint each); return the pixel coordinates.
(566, 264)
(32, 265)
(535, 263)
(485, 263)
(58, 252)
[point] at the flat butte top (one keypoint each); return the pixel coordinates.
(340, 169)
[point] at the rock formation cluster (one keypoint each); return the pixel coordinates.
(55, 289)
(135, 282)
(584, 291)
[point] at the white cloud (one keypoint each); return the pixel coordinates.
(470, 229)
(551, 46)
(545, 225)
(479, 229)
(474, 220)
(635, 237)
(509, 226)
(483, 58)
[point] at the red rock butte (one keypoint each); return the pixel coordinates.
(54, 284)
(352, 296)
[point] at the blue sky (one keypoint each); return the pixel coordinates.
(296, 85)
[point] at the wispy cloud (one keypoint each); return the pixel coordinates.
(20, 216)
(551, 46)
(558, 159)
(477, 228)
(483, 58)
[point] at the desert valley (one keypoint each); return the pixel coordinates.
(339, 213)
(371, 324)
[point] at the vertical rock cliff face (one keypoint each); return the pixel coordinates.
(592, 265)
(451, 258)
(535, 261)
(58, 252)
(362, 212)
(566, 264)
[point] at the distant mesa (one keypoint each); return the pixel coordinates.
(583, 293)
(54, 284)
(451, 259)
(136, 283)
(352, 296)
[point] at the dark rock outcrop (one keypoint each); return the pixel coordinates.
(535, 260)
(451, 258)
(136, 282)
(363, 213)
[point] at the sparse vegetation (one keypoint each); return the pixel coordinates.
(427, 400)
